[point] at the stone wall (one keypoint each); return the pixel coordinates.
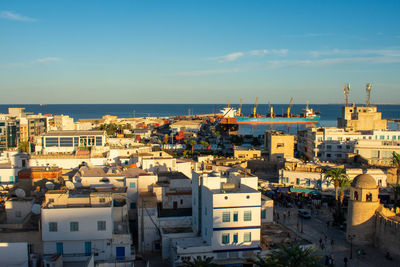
(387, 232)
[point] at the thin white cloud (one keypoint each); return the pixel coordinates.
(235, 56)
(46, 60)
(14, 16)
(307, 35)
(208, 72)
(333, 61)
(41, 61)
(357, 52)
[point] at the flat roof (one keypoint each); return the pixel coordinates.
(73, 133)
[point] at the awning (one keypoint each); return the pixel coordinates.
(307, 191)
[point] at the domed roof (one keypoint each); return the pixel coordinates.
(364, 181)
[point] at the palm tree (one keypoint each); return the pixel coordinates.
(193, 143)
(199, 262)
(340, 179)
(290, 256)
(24, 147)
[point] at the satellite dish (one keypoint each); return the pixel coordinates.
(36, 209)
(20, 192)
(70, 185)
(49, 185)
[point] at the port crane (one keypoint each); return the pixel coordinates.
(289, 107)
(255, 108)
(239, 111)
(271, 110)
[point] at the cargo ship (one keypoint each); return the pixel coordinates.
(235, 116)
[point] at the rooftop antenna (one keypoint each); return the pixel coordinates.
(368, 89)
(346, 94)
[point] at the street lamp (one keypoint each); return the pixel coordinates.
(351, 237)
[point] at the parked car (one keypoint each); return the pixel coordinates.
(304, 214)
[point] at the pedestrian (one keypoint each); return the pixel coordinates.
(288, 213)
(345, 260)
(326, 238)
(332, 242)
(332, 261)
(284, 216)
(322, 246)
(298, 226)
(326, 260)
(277, 215)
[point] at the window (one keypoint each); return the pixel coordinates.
(308, 182)
(328, 155)
(247, 216)
(280, 145)
(99, 140)
(226, 217)
(51, 141)
(102, 200)
(132, 185)
(328, 147)
(347, 147)
(338, 155)
(355, 195)
(368, 197)
(133, 205)
(247, 237)
(66, 142)
(76, 141)
(297, 181)
(225, 238)
(101, 225)
(235, 216)
(382, 137)
(11, 179)
(235, 238)
(74, 226)
(51, 200)
(52, 227)
(263, 213)
(393, 137)
(339, 147)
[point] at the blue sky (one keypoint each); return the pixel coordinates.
(198, 51)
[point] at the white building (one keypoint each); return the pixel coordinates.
(70, 141)
(82, 223)
(334, 144)
(227, 214)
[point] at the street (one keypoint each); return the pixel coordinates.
(316, 230)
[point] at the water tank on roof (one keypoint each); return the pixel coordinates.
(36, 208)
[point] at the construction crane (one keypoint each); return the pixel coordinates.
(289, 107)
(368, 89)
(271, 110)
(255, 108)
(239, 112)
(346, 93)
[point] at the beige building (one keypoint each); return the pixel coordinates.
(245, 153)
(368, 222)
(279, 145)
(377, 152)
(361, 119)
(63, 123)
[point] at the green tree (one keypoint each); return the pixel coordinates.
(340, 179)
(200, 262)
(291, 256)
(193, 143)
(24, 147)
